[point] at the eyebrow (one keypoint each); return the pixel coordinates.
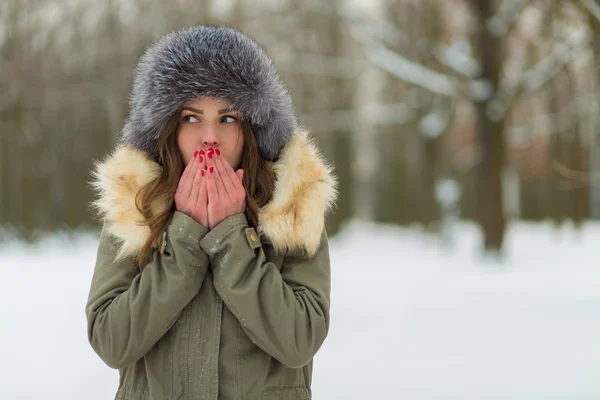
(223, 111)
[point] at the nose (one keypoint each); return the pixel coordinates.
(210, 138)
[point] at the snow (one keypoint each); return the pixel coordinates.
(457, 58)
(432, 125)
(481, 89)
(559, 57)
(495, 109)
(409, 71)
(496, 25)
(370, 37)
(409, 320)
(592, 7)
(447, 192)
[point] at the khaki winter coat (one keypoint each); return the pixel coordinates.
(230, 313)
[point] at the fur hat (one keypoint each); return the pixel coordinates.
(208, 61)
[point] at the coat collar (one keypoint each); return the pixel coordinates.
(305, 190)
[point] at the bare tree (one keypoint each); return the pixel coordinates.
(592, 11)
(478, 73)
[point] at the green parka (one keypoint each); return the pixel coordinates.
(231, 313)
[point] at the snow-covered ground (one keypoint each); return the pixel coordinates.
(410, 320)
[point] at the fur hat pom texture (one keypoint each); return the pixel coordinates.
(214, 61)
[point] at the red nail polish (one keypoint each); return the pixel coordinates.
(210, 155)
(218, 152)
(212, 170)
(201, 159)
(201, 151)
(211, 149)
(196, 154)
(202, 172)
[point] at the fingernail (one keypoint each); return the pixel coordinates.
(202, 172)
(212, 169)
(218, 152)
(196, 154)
(201, 159)
(211, 149)
(201, 151)
(210, 155)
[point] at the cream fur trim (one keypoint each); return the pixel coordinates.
(294, 219)
(304, 192)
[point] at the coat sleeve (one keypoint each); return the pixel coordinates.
(128, 311)
(285, 313)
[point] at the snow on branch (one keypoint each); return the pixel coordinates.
(457, 59)
(592, 8)
(409, 71)
(502, 23)
(436, 122)
(399, 66)
(562, 54)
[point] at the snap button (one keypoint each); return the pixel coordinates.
(252, 238)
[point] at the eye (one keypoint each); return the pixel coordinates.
(190, 118)
(229, 119)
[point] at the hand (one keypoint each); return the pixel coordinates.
(226, 194)
(191, 197)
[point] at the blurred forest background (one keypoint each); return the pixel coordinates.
(431, 110)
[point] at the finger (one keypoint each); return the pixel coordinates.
(221, 191)
(211, 188)
(202, 196)
(202, 159)
(233, 178)
(212, 168)
(240, 174)
(185, 173)
(196, 183)
(210, 158)
(225, 180)
(188, 178)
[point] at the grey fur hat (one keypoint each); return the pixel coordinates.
(208, 61)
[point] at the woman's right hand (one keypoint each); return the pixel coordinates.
(191, 197)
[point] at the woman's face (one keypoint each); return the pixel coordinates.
(205, 123)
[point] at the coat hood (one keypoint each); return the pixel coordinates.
(305, 190)
(208, 61)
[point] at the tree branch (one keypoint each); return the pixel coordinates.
(574, 175)
(593, 10)
(409, 71)
(503, 23)
(459, 63)
(548, 67)
(394, 63)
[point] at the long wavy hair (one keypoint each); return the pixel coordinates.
(156, 200)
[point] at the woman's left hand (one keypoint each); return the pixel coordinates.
(226, 195)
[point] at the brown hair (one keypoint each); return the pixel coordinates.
(156, 200)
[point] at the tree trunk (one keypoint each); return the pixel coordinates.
(575, 156)
(491, 134)
(594, 146)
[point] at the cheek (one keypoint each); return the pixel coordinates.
(238, 149)
(185, 145)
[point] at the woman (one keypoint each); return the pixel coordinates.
(212, 275)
